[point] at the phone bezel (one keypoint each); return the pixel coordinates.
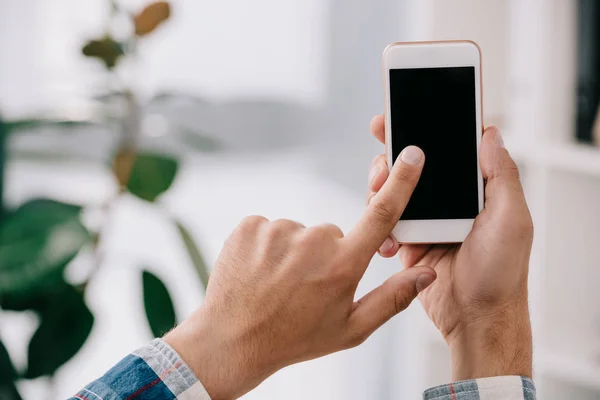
(458, 53)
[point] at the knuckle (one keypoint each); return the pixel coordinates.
(312, 240)
(513, 170)
(401, 302)
(382, 212)
(377, 159)
(307, 240)
(510, 168)
(249, 226)
(356, 337)
(284, 225)
(380, 160)
(405, 175)
(253, 222)
(325, 231)
(281, 228)
(370, 196)
(317, 233)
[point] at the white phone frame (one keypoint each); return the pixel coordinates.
(460, 53)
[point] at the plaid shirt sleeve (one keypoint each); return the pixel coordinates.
(155, 371)
(496, 388)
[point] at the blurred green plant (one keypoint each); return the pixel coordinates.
(40, 238)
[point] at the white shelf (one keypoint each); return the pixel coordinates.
(574, 157)
(575, 369)
(571, 157)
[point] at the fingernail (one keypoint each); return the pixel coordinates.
(423, 282)
(499, 140)
(374, 172)
(387, 246)
(411, 155)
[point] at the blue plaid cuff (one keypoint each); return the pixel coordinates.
(155, 371)
(501, 387)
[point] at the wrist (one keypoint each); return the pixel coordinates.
(219, 360)
(496, 343)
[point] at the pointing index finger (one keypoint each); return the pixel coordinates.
(386, 207)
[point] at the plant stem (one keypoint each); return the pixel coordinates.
(122, 165)
(107, 208)
(51, 387)
(125, 156)
(194, 253)
(114, 7)
(3, 134)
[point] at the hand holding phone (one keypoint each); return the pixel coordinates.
(479, 300)
(433, 100)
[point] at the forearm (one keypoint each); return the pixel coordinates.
(224, 362)
(497, 345)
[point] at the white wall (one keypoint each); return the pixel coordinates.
(222, 49)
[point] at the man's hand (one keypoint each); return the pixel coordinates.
(479, 301)
(281, 293)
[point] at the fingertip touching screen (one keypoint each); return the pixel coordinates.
(434, 109)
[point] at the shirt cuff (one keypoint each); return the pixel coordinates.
(172, 370)
(500, 387)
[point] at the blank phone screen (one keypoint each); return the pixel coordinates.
(434, 109)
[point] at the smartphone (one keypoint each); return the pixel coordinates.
(433, 100)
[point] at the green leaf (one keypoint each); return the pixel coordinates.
(65, 325)
(31, 124)
(47, 155)
(167, 96)
(21, 301)
(151, 175)
(195, 140)
(37, 242)
(8, 391)
(158, 305)
(106, 49)
(32, 300)
(8, 375)
(7, 370)
(194, 253)
(111, 96)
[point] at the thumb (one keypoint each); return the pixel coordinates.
(500, 171)
(387, 300)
